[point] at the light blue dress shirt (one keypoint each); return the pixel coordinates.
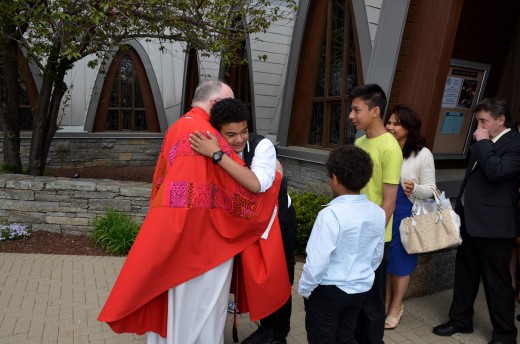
(345, 246)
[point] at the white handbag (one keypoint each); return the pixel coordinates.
(433, 226)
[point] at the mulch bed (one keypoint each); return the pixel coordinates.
(53, 243)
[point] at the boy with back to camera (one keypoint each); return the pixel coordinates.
(345, 247)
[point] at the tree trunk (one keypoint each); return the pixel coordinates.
(45, 123)
(9, 119)
(57, 96)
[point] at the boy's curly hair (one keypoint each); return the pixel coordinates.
(228, 110)
(351, 165)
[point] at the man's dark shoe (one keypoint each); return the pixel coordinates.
(496, 342)
(282, 341)
(447, 329)
(264, 335)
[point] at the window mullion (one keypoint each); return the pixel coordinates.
(132, 112)
(119, 100)
(344, 81)
(326, 109)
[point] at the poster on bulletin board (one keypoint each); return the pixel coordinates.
(464, 87)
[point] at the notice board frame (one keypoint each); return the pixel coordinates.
(464, 87)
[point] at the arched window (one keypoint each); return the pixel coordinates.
(327, 72)
(126, 102)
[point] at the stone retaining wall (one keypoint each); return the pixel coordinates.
(68, 205)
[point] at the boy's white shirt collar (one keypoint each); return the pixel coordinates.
(241, 154)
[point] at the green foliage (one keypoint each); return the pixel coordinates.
(9, 169)
(6, 169)
(307, 206)
(63, 31)
(115, 231)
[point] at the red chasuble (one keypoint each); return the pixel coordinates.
(199, 217)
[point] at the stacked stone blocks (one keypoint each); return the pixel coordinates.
(97, 151)
(66, 205)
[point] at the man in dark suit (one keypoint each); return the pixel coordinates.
(487, 205)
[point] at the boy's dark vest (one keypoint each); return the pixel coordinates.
(248, 155)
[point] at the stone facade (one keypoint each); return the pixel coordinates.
(306, 176)
(96, 151)
(68, 205)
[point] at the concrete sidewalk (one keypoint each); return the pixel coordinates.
(56, 299)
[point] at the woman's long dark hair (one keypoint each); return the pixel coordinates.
(409, 120)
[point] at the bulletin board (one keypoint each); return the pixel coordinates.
(463, 89)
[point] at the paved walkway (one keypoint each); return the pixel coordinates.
(56, 299)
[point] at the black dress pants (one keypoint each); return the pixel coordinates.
(370, 327)
(331, 315)
(486, 258)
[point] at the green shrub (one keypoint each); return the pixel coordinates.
(307, 206)
(115, 231)
(4, 169)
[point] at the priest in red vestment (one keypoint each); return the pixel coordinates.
(178, 271)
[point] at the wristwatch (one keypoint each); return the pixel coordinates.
(217, 156)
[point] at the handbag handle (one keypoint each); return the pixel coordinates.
(435, 197)
(438, 204)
